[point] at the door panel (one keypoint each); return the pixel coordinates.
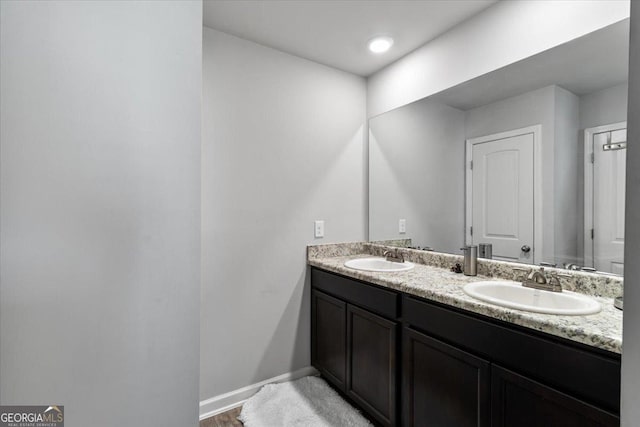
(443, 385)
(500, 204)
(371, 368)
(520, 401)
(328, 337)
(609, 171)
(502, 196)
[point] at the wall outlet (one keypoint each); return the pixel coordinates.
(402, 226)
(318, 229)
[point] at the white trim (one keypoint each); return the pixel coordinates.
(588, 186)
(536, 130)
(224, 402)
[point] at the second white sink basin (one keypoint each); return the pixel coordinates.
(378, 265)
(514, 295)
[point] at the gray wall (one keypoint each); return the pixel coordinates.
(556, 109)
(532, 108)
(417, 167)
(562, 115)
(604, 107)
(631, 325)
(283, 145)
(567, 213)
(100, 212)
(417, 173)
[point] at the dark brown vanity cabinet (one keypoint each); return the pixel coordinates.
(443, 385)
(354, 346)
(371, 363)
(329, 337)
(523, 378)
(408, 361)
(520, 401)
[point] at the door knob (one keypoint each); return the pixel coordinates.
(526, 249)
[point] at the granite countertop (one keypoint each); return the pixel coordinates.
(602, 330)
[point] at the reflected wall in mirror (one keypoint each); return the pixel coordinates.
(529, 158)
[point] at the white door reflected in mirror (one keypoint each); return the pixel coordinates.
(605, 175)
(500, 194)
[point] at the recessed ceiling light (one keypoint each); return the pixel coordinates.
(380, 44)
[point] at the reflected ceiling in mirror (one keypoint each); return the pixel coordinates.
(566, 103)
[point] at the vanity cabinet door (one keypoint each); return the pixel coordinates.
(519, 401)
(328, 337)
(443, 385)
(371, 368)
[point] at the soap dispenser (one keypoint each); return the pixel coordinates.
(470, 260)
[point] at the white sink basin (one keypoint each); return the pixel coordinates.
(514, 295)
(378, 264)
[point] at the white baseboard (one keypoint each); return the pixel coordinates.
(222, 403)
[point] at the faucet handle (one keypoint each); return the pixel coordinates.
(394, 255)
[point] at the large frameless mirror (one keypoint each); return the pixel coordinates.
(529, 158)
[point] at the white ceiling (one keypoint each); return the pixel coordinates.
(335, 32)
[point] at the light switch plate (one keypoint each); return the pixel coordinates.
(318, 229)
(402, 226)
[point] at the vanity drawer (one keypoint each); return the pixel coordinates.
(381, 301)
(589, 374)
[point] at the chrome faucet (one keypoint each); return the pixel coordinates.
(537, 279)
(394, 255)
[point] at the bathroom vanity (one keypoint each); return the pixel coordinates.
(412, 349)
